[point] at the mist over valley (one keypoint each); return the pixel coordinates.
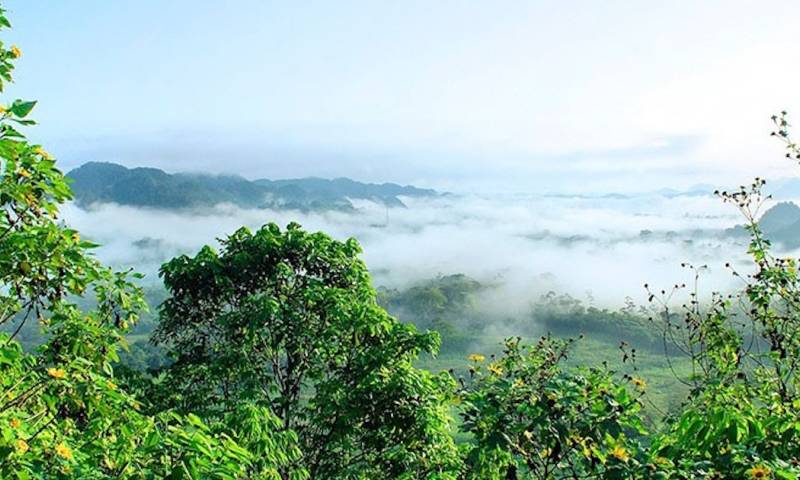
(600, 248)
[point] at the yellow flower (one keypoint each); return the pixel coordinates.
(15, 423)
(620, 453)
(24, 173)
(639, 383)
(759, 471)
(3, 109)
(496, 369)
(528, 435)
(545, 453)
(76, 238)
(15, 51)
(63, 451)
(476, 357)
(22, 446)
(43, 153)
(662, 461)
(518, 383)
(111, 385)
(57, 373)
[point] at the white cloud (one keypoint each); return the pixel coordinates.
(528, 244)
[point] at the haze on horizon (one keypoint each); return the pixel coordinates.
(574, 96)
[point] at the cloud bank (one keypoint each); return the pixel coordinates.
(524, 243)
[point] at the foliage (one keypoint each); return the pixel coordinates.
(530, 417)
(567, 316)
(445, 304)
(62, 413)
(741, 417)
(289, 319)
(286, 366)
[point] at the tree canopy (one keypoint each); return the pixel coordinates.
(289, 319)
(286, 367)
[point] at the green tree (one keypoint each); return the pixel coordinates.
(62, 414)
(288, 319)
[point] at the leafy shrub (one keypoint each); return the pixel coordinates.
(532, 418)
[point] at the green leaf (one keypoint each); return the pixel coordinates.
(22, 108)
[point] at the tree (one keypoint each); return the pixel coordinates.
(62, 414)
(288, 319)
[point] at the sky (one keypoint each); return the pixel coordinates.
(533, 96)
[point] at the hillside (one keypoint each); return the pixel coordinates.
(780, 224)
(100, 182)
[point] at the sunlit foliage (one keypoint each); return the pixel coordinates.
(284, 366)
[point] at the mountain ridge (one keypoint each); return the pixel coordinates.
(107, 182)
(780, 223)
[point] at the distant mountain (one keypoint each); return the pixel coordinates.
(583, 196)
(98, 182)
(780, 224)
(700, 190)
(779, 217)
(323, 191)
(784, 188)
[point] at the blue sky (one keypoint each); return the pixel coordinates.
(567, 96)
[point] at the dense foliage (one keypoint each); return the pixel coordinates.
(289, 320)
(283, 365)
(62, 412)
(567, 316)
(530, 418)
(445, 304)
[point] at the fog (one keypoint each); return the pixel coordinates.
(524, 245)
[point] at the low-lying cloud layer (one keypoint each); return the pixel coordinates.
(526, 244)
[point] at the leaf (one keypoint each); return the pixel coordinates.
(22, 108)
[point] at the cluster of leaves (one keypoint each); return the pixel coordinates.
(284, 365)
(62, 412)
(530, 418)
(289, 320)
(741, 417)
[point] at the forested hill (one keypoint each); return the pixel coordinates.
(779, 224)
(100, 182)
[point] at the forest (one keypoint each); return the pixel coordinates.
(274, 356)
